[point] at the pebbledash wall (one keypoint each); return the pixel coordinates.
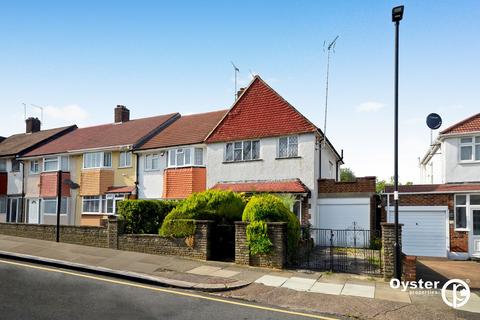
(110, 235)
(458, 239)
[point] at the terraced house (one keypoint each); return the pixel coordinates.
(97, 167)
(13, 170)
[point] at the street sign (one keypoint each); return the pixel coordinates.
(434, 121)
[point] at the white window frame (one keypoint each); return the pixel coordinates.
(50, 159)
(466, 206)
(473, 145)
(65, 201)
(236, 148)
(3, 168)
(103, 203)
(289, 146)
(35, 163)
(101, 162)
(63, 163)
(127, 155)
(149, 166)
(175, 152)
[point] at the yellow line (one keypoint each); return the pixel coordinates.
(186, 294)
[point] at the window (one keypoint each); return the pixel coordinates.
(3, 165)
(242, 151)
(460, 211)
(50, 164)
(50, 205)
(198, 157)
(125, 159)
(15, 165)
(182, 157)
(475, 199)
(102, 204)
(64, 162)
(288, 147)
(91, 204)
(297, 209)
(97, 160)
(152, 161)
(3, 204)
(34, 167)
(470, 149)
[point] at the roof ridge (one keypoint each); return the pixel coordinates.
(132, 120)
(453, 126)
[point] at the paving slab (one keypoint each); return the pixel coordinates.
(327, 288)
(224, 273)
(384, 292)
(473, 304)
(204, 270)
(358, 290)
(299, 284)
(271, 281)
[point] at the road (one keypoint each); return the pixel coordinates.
(29, 291)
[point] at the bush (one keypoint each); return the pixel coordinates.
(270, 208)
(217, 205)
(257, 237)
(144, 216)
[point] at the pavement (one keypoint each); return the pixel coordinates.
(244, 282)
(443, 270)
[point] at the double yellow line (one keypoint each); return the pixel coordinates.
(179, 293)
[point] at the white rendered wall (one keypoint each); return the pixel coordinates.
(150, 183)
(455, 171)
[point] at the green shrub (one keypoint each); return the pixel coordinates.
(144, 216)
(180, 228)
(257, 237)
(270, 208)
(217, 205)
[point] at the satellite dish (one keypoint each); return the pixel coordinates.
(434, 121)
(71, 184)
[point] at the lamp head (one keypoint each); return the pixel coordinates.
(397, 13)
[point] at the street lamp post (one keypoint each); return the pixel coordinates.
(397, 15)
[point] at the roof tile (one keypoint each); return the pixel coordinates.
(470, 124)
(289, 186)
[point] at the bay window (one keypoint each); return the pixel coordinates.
(242, 151)
(105, 204)
(470, 148)
(183, 157)
(287, 147)
(97, 160)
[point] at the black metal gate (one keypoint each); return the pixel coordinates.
(223, 242)
(350, 250)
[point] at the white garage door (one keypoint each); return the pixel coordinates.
(424, 231)
(343, 213)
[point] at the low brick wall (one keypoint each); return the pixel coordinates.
(388, 247)
(277, 232)
(409, 268)
(88, 236)
(196, 247)
(458, 240)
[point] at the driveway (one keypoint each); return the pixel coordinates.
(443, 270)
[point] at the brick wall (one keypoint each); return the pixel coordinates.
(409, 200)
(277, 232)
(458, 240)
(3, 183)
(363, 184)
(94, 182)
(49, 184)
(306, 212)
(409, 268)
(179, 183)
(388, 246)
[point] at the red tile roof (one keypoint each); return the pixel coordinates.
(124, 189)
(107, 135)
(24, 142)
(471, 124)
(188, 129)
(439, 188)
(260, 112)
(287, 186)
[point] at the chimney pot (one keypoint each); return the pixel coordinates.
(239, 92)
(122, 114)
(32, 125)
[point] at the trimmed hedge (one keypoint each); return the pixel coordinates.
(144, 216)
(270, 208)
(217, 205)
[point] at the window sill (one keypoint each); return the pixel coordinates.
(151, 170)
(128, 167)
(97, 214)
(242, 161)
(286, 158)
(54, 214)
(187, 166)
(469, 161)
(461, 229)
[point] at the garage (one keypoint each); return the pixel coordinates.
(424, 231)
(343, 213)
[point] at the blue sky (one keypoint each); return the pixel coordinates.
(79, 60)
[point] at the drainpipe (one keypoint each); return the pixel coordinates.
(137, 170)
(24, 218)
(338, 161)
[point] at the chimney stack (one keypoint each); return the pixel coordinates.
(32, 125)
(122, 114)
(239, 92)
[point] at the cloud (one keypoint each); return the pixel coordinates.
(69, 113)
(369, 106)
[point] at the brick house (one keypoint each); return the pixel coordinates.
(442, 216)
(13, 170)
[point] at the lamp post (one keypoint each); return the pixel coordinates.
(397, 15)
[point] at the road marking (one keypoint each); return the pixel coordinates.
(186, 294)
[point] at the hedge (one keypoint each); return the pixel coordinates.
(217, 205)
(144, 216)
(269, 208)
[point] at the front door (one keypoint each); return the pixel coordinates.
(14, 209)
(475, 233)
(33, 211)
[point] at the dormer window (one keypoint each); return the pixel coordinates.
(470, 149)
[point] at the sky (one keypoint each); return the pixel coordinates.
(80, 59)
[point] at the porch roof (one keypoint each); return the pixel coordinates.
(274, 186)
